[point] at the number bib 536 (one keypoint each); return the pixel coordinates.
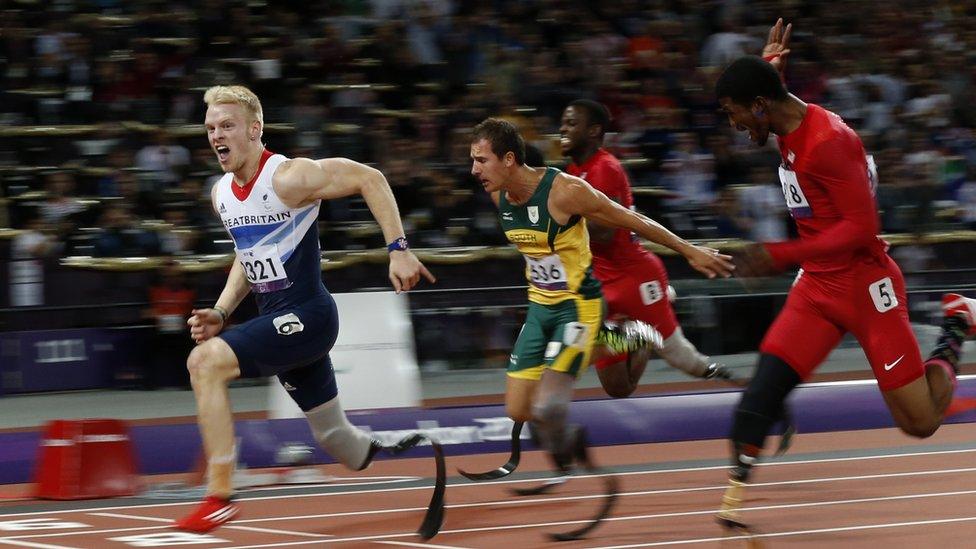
(263, 268)
(547, 272)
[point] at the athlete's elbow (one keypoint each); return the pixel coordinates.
(372, 180)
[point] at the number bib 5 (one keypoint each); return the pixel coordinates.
(263, 268)
(796, 201)
(546, 272)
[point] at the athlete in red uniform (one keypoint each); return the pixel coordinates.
(848, 282)
(635, 283)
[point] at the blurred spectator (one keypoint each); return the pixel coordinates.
(170, 302)
(729, 220)
(165, 160)
(966, 198)
(730, 168)
(308, 115)
(119, 236)
(176, 237)
(138, 202)
(96, 147)
(33, 244)
(689, 171)
(844, 95)
(722, 47)
(762, 207)
(78, 79)
(425, 34)
(60, 205)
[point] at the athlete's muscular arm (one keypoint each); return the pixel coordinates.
(841, 169)
(573, 196)
(207, 323)
(600, 233)
(301, 181)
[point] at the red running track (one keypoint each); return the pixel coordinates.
(850, 489)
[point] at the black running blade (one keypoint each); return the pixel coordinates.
(494, 474)
(789, 432)
(435, 509)
(583, 458)
(405, 443)
(508, 468)
(605, 509)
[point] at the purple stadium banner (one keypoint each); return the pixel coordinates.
(481, 429)
(62, 360)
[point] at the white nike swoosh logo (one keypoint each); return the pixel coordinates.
(893, 364)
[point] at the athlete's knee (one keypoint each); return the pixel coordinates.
(518, 411)
(619, 388)
(919, 423)
(205, 364)
(550, 411)
(762, 402)
(199, 361)
(919, 427)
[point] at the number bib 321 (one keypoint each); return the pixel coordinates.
(546, 273)
(263, 268)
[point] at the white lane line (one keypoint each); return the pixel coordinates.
(465, 483)
(793, 533)
(85, 532)
(134, 517)
(38, 545)
(276, 531)
(375, 480)
(424, 545)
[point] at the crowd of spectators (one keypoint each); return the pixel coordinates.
(102, 144)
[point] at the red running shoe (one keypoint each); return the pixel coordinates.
(210, 514)
(958, 305)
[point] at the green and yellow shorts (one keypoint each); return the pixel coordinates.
(560, 337)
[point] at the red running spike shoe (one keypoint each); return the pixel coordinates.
(210, 514)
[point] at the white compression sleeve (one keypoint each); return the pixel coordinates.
(341, 439)
(678, 352)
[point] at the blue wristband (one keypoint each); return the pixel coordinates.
(398, 245)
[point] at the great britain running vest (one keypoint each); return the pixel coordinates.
(277, 246)
(557, 257)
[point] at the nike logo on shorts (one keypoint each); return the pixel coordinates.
(893, 364)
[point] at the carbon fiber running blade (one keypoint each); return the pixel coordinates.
(494, 474)
(509, 467)
(582, 455)
(608, 503)
(434, 517)
(786, 440)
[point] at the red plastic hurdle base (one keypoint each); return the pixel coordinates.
(86, 459)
